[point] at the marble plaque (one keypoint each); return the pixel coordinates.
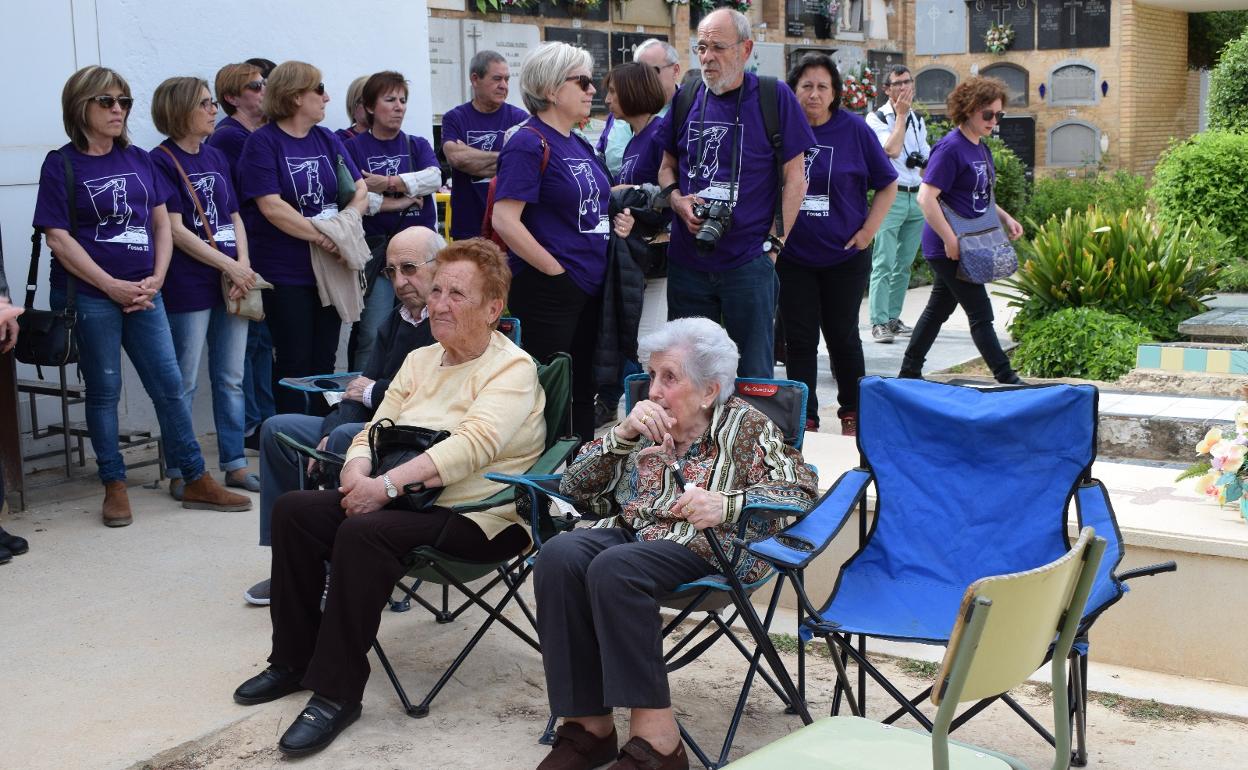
(513, 41)
(768, 59)
(652, 13)
(1073, 24)
(1072, 84)
(624, 44)
(1019, 14)
(933, 86)
(599, 46)
(1019, 134)
(802, 18)
(1016, 82)
(447, 65)
(939, 27)
(1073, 144)
(880, 63)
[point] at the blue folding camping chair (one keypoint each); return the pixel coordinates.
(969, 483)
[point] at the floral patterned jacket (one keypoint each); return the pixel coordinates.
(742, 456)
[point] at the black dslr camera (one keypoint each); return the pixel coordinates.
(916, 160)
(717, 220)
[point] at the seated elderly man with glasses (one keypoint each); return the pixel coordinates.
(410, 263)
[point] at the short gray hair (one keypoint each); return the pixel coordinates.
(739, 20)
(670, 53)
(710, 354)
(545, 69)
(481, 61)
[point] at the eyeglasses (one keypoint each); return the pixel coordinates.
(988, 115)
(208, 104)
(658, 68)
(319, 88)
(408, 269)
(584, 81)
(716, 48)
(107, 101)
(255, 85)
(899, 83)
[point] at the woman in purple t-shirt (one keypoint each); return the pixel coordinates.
(111, 256)
(558, 245)
(635, 96)
(288, 174)
(355, 110)
(960, 174)
(209, 241)
(402, 174)
(826, 260)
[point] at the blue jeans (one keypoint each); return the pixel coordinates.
(743, 299)
(226, 336)
(258, 376)
(281, 468)
(102, 331)
(378, 305)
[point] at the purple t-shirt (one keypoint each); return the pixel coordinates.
(302, 172)
(964, 174)
(567, 206)
(720, 131)
(643, 155)
(114, 195)
(401, 155)
(480, 131)
(846, 161)
(190, 284)
(229, 137)
(346, 134)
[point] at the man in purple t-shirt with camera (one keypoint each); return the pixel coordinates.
(721, 261)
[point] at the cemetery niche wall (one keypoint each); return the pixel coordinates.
(1074, 83)
(1015, 78)
(1074, 143)
(932, 85)
(1019, 14)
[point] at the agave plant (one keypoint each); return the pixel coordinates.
(1129, 263)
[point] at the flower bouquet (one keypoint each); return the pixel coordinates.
(1223, 475)
(505, 6)
(858, 92)
(999, 37)
(709, 5)
(580, 7)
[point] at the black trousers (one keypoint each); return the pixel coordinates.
(557, 317)
(597, 593)
(827, 299)
(364, 552)
(305, 341)
(948, 292)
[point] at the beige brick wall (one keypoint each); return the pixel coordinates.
(1160, 95)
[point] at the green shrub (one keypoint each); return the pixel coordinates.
(1208, 34)
(1079, 342)
(1206, 178)
(1129, 264)
(1111, 193)
(1228, 88)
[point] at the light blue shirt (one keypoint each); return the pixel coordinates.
(915, 141)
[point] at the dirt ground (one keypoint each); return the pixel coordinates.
(491, 714)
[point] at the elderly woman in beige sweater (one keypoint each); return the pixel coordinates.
(474, 383)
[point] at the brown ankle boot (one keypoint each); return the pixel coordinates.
(205, 494)
(116, 511)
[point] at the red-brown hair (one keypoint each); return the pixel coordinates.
(489, 259)
(974, 94)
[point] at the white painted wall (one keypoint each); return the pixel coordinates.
(42, 43)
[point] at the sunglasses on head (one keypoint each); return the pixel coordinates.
(255, 85)
(408, 269)
(988, 115)
(584, 81)
(106, 101)
(319, 88)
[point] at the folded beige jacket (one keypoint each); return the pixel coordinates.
(339, 279)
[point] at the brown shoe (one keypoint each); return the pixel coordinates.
(576, 748)
(205, 494)
(638, 754)
(116, 511)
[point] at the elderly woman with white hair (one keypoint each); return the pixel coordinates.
(551, 207)
(598, 589)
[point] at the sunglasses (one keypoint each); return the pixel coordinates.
(408, 269)
(584, 81)
(255, 85)
(319, 88)
(988, 115)
(106, 101)
(208, 104)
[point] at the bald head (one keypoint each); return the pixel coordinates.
(409, 257)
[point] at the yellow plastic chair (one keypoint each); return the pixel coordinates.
(1002, 635)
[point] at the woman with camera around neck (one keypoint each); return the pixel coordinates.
(556, 221)
(826, 260)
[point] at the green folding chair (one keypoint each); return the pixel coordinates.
(429, 565)
(1001, 636)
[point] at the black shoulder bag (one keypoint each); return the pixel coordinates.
(392, 445)
(46, 337)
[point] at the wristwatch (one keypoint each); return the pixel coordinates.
(772, 246)
(391, 490)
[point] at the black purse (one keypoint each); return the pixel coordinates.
(392, 445)
(46, 337)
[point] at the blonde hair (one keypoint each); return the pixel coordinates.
(544, 70)
(355, 97)
(284, 85)
(83, 86)
(230, 81)
(173, 104)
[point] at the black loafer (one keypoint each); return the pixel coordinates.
(5, 555)
(270, 684)
(13, 544)
(316, 727)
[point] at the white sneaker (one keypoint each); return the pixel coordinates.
(882, 333)
(899, 327)
(259, 593)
